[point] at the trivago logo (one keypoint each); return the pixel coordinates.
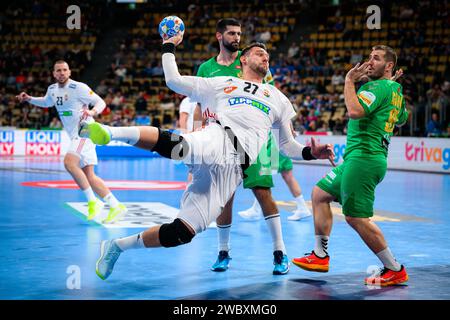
(43, 143)
(339, 150)
(422, 153)
(6, 143)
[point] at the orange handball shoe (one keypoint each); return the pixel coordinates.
(388, 277)
(311, 262)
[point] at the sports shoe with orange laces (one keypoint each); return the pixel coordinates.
(388, 277)
(311, 262)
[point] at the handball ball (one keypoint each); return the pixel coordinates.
(170, 26)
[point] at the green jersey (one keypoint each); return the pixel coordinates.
(384, 106)
(211, 68)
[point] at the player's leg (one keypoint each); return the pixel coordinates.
(326, 191)
(116, 209)
(358, 194)
(167, 235)
(144, 137)
(273, 220)
(167, 144)
(72, 165)
(259, 174)
(223, 233)
(200, 205)
(285, 167)
(302, 211)
(88, 160)
(72, 161)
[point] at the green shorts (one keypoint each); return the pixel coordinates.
(353, 184)
(259, 174)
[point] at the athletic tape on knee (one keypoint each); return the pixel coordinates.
(171, 145)
(174, 234)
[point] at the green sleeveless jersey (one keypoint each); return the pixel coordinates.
(384, 105)
(211, 68)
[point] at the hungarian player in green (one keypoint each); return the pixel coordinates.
(374, 111)
(259, 174)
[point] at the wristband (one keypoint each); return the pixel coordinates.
(168, 48)
(307, 155)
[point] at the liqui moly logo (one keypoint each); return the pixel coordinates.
(43, 143)
(6, 143)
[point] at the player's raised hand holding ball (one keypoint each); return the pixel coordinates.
(171, 30)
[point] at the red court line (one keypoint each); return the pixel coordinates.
(112, 184)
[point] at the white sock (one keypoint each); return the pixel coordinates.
(274, 225)
(135, 241)
(128, 135)
(223, 232)
(388, 260)
(300, 202)
(111, 200)
(89, 194)
(321, 248)
(256, 206)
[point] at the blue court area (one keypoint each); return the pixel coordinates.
(48, 250)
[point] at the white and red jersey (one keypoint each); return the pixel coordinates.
(249, 108)
(69, 100)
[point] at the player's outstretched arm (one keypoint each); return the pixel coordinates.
(43, 102)
(297, 151)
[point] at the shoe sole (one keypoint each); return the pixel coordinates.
(278, 273)
(312, 267)
(252, 218)
(298, 218)
(102, 251)
(390, 283)
(219, 270)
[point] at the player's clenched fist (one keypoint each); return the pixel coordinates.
(23, 97)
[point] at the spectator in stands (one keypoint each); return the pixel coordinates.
(102, 88)
(337, 78)
(293, 51)
(434, 127)
(20, 81)
(339, 26)
(117, 101)
(436, 97)
(157, 70)
(121, 73)
(264, 37)
(11, 81)
(141, 103)
(406, 12)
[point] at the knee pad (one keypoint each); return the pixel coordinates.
(174, 234)
(171, 145)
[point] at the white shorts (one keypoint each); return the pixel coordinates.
(84, 149)
(216, 173)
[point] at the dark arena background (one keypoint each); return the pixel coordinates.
(48, 247)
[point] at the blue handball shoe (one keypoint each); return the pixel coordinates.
(281, 262)
(222, 262)
(109, 253)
